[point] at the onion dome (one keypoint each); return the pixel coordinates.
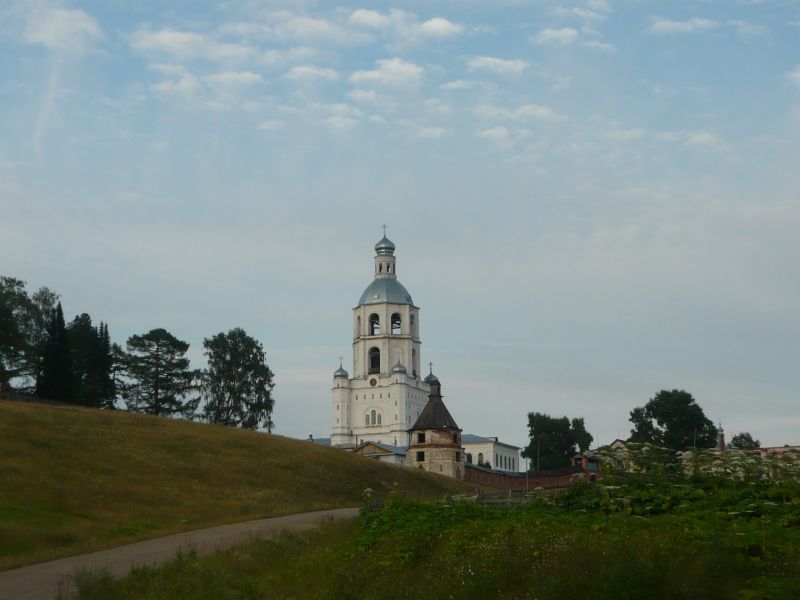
(385, 246)
(340, 373)
(431, 378)
(399, 368)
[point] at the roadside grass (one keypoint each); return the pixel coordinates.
(575, 545)
(75, 480)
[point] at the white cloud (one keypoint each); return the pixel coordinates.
(440, 27)
(498, 135)
(272, 58)
(497, 65)
(362, 96)
(599, 46)
(309, 29)
(523, 112)
(311, 73)
(625, 135)
(272, 125)
(793, 77)
(232, 79)
(188, 45)
(370, 18)
(430, 133)
(747, 30)
(599, 5)
(668, 26)
(186, 85)
(61, 28)
(340, 123)
(699, 138)
(459, 84)
(578, 12)
(564, 36)
(389, 71)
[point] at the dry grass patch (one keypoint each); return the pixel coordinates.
(75, 479)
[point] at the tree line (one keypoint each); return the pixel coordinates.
(77, 363)
(671, 419)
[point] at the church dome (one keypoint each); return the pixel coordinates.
(340, 373)
(382, 291)
(385, 246)
(431, 378)
(399, 368)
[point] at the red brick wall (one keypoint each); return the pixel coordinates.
(504, 481)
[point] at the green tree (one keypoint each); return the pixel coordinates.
(158, 380)
(56, 377)
(237, 386)
(672, 419)
(92, 362)
(744, 441)
(554, 441)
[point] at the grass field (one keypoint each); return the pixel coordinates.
(643, 538)
(74, 479)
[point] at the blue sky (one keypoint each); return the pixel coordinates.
(591, 200)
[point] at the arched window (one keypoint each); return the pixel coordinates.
(480, 458)
(414, 362)
(379, 419)
(358, 326)
(373, 416)
(469, 458)
(395, 324)
(374, 360)
(413, 323)
(367, 419)
(374, 324)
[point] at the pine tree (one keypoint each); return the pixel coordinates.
(158, 378)
(107, 390)
(56, 379)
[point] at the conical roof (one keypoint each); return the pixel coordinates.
(435, 414)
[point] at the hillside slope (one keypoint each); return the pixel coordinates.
(75, 479)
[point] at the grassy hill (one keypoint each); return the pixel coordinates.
(74, 479)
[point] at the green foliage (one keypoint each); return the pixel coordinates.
(57, 379)
(92, 362)
(744, 441)
(237, 386)
(158, 378)
(555, 441)
(639, 538)
(672, 419)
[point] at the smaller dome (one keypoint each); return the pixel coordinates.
(399, 368)
(340, 373)
(431, 379)
(385, 246)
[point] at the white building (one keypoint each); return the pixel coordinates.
(482, 450)
(386, 394)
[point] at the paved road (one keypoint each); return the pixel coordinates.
(41, 581)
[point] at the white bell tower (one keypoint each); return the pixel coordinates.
(385, 395)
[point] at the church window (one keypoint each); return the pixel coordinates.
(420, 438)
(469, 458)
(358, 326)
(414, 362)
(367, 417)
(458, 456)
(373, 417)
(380, 268)
(395, 324)
(374, 324)
(455, 438)
(379, 419)
(395, 418)
(337, 420)
(480, 458)
(374, 360)
(420, 456)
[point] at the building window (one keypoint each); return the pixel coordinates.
(414, 362)
(373, 417)
(374, 360)
(358, 326)
(458, 456)
(395, 324)
(469, 458)
(374, 324)
(420, 456)
(420, 438)
(480, 458)
(455, 438)
(367, 419)
(379, 419)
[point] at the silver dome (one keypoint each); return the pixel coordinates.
(341, 373)
(385, 246)
(399, 368)
(382, 291)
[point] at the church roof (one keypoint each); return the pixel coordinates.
(435, 416)
(382, 291)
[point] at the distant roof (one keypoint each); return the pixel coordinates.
(388, 447)
(322, 441)
(435, 416)
(471, 438)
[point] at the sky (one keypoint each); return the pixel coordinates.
(591, 200)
